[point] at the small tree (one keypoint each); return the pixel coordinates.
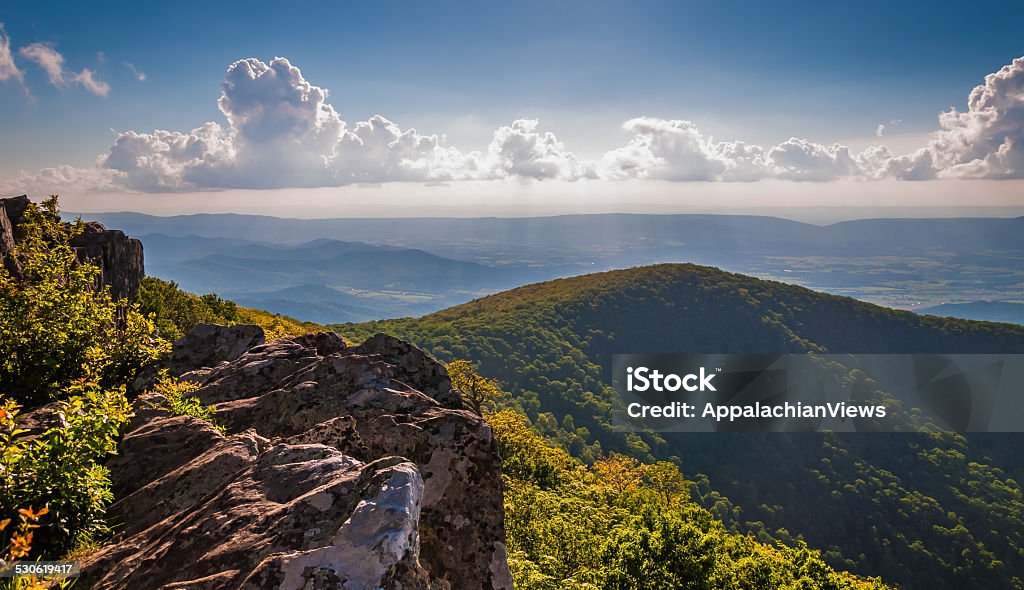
(619, 473)
(665, 478)
(479, 392)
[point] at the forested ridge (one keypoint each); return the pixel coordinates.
(927, 511)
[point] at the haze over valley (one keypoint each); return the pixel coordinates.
(339, 270)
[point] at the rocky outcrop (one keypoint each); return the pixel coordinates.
(339, 467)
(118, 257)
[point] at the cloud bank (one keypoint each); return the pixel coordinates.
(280, 131)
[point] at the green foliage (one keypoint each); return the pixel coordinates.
(176, 312)
(936, 511)
(610, 528)
(59, 469)
(665, 478)
(525, 455)
(178, 401)
(55, 326)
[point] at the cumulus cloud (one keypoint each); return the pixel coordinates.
(61, 179)
(377, 150)
(678, 151)
(987, 140)
(280, 131)
(8, 69)
(520, 150)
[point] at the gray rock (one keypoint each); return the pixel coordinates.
(208, 345)
(335, 473)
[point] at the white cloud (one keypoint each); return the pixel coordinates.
(986, 141)
(280, 132)
(139, 74)
(8, 69)
(48, 59)
(377, 150)
(61, 179)
(51, 61)
(880, 130)
(799, 159)
(89, 81)
(667, 150)
(521, 151)
(677, 150)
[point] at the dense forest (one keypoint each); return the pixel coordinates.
(623, 524)
(924, 510)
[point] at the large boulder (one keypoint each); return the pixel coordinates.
(332, 472)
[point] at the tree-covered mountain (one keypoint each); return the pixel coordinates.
(927, 511)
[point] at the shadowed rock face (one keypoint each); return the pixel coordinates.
(342, 468)
(11, 211)
(118, 257)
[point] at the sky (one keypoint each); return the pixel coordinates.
(476, 108)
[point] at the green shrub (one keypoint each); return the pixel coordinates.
(178, 401)
(59, 470)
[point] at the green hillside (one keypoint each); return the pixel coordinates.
(928, 511)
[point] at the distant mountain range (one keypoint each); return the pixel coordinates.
(395, 267)
(932, 512)
(324, 280)
(629, 231)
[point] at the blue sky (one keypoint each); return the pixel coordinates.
(756, 72)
